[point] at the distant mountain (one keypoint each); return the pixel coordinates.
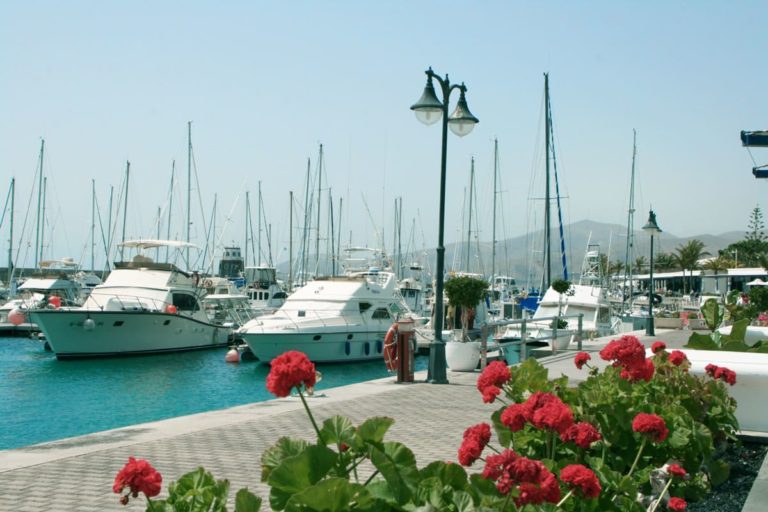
(526, 262)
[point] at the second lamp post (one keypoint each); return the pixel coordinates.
(652, 228)
(429, 110)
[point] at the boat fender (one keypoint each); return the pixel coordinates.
(390, 348)
(17, 317)
(233, 356)
(170, 308)
(347, 347)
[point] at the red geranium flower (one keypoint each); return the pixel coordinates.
(651, 425)
(581, 478)
(676, 470)
(676, 504)
(533, 481)
(658, 346)
(289, 370)
(581, 359)
(514, 417)
(547, 411)
(490, 381)
(676, 357)
(582, 434)
(138, 476)
(726, 375)
(711, 369)
(626, 351)
(641, 371)
(476, 438)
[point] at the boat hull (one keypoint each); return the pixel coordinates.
(125, 333)
(328, 346)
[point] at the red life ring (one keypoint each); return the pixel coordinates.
(390, 348)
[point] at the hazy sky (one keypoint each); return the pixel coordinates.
(264, 83)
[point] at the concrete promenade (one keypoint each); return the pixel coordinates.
(76, 474)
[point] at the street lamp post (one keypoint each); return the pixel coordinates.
(652, 228)
(429, 110)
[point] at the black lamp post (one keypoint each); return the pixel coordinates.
(652, 228)
(429, 110)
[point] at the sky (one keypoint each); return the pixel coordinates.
(264, 83)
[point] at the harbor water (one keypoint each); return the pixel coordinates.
(43, 399)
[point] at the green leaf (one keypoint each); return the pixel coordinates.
(701, 342)
(246, 501)
(337, 430)
(451, 475)
(198, 490)
(719, 471)
(735, 346)
(712, 314)
(680, 437)
(503, 434)
(373, 430)
(298, 472)
(284, 447)
(738, 331)
(331, 495)
(397, 465)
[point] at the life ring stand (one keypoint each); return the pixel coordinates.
(207, 283)
(390, 348)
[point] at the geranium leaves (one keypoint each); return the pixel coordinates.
(282, 449)
(298, 472)
(397, 465)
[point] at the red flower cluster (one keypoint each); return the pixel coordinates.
(581, 359)
(628, 353)
(676, 504)
(676, 470)
(533, 481)
(581, 478)
(651, 425)
(289, 370)
(582, 434)
(137, 475)
(542, 410)
(722, 373)
(658, 346)
(476, 438)
(676, 357)
(490, 381)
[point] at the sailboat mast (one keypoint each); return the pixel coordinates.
(39, 201)
(469, 224)
(493, 235)
(319, 182)
(630, 221)
(93, 224)
(189, 184)
(305, 235)
(170, 207)
(10, 238)
(290, 241)
(257, 258)
(547, 143)
(125, 207)
(247, 220)
(42, 220)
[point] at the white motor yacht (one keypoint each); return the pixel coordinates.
(143, 307)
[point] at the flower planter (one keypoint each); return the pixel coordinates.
(751, 381)
(668, 323)
(462, 356)
(697, 324)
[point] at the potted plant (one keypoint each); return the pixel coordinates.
(464, 292)
(563, 339)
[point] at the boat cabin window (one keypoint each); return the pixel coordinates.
(604, 316)
(380, 314)
(364, 306)
(279, 295)
(185, 302)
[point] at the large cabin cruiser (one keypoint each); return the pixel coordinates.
(332, 319)
(143, 307)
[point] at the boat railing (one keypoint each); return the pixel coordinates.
(527, 328)
(122, 302)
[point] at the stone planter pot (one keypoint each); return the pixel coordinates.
(697, 323)
(462, 356)
(668, 323)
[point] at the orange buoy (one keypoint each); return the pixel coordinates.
(390, 348)
(233, 356)
(17, 317)
(170, 308)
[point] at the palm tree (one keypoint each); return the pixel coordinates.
(688, 256)
(664, 261)
(641, 262)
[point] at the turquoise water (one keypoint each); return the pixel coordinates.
(43, 399)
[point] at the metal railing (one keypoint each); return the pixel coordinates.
(544, 323)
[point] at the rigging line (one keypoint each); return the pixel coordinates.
(5, 208)
(200, 254)
(26, 218)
